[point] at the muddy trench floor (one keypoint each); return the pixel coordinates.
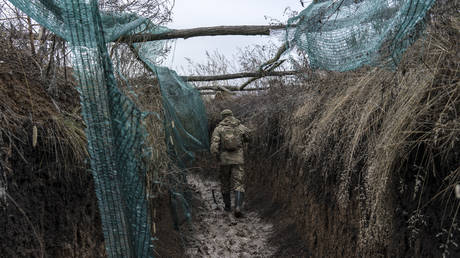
(216, 233)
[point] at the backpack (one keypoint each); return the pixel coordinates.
(231, 138)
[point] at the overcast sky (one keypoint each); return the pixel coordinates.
(200, 13)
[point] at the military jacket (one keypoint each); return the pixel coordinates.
(229, 157)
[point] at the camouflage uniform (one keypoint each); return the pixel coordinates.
(231, 162)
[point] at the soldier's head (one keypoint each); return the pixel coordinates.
(226, 113)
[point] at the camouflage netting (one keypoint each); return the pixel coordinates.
(115, 132)
(347, 34)
(337, 35)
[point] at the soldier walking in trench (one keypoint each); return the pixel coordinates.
(227, 144)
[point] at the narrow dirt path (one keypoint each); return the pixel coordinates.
(216, 233)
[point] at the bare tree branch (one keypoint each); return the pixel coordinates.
(224, 77)
(256, 78)
(136, 54)
(229, 89)
(245, 30)
(268, 66)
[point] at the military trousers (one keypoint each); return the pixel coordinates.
(231, 178)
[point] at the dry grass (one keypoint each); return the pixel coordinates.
(380, 119)
(30, 104)
(372, 130)
(43, 126)
(41, 134)
(148, 99)
(35, 118)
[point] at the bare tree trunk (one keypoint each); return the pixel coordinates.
(244, 30)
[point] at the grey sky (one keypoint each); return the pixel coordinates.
(200, 13)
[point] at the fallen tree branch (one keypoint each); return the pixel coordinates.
(224, 77)
(256, 78)
(268, 66)
(243, 30)
(213, 91)
(208, 93)
(224, 89)
(229, 88)
(277, 56)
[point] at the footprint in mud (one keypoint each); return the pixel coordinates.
(216, 233)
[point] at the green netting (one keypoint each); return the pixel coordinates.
(183, 133)
(337, 35)
(185, 123)
(347, 34)
(114, 127)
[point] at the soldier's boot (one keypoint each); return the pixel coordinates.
(239, 198)
(227, 202)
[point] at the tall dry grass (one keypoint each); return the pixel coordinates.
(45, 121)
(377, 135)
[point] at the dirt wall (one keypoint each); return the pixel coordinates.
(48, 206)
(364, 162)
(49, 214)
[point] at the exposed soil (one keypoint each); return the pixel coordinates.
(48, 215)
(48, 205)
(168, 242)
(216, 233)
(298, 196)
(49, 208)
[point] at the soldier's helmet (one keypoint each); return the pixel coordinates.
(225, 113)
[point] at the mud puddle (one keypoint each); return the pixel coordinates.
(216, 233)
